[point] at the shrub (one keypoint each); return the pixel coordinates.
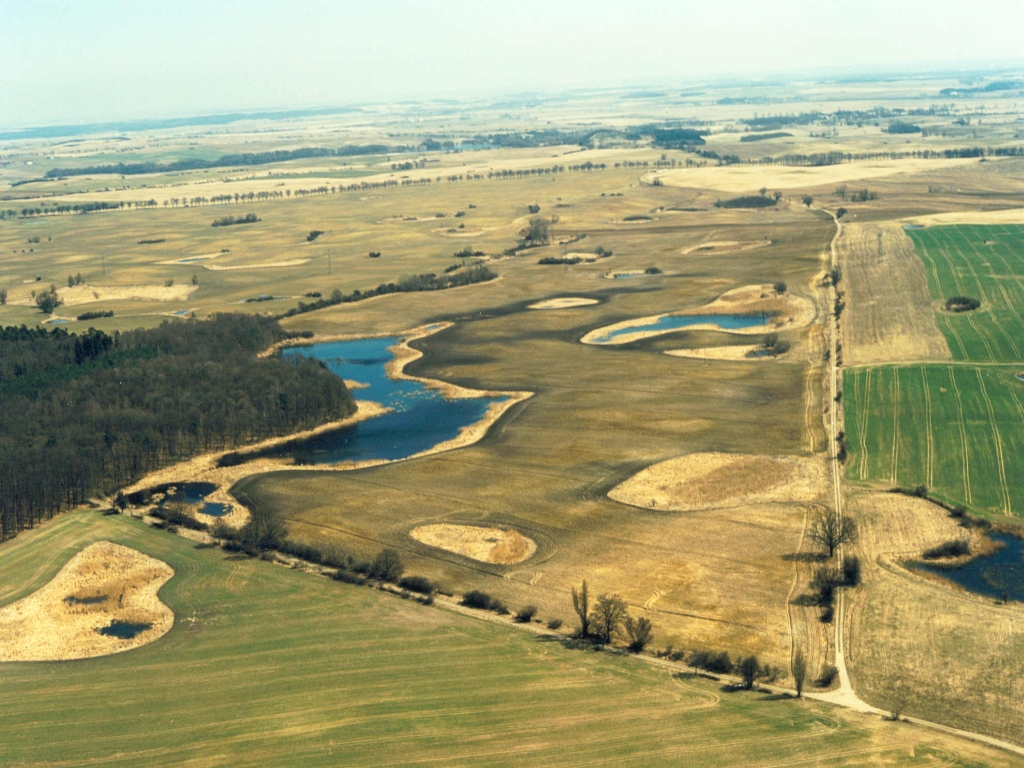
(526, 614)
(851, 571)
(419, 584)
(823, 585)
(954, 548)
(477, 599)
(175, 514)
(827, 614)
(748, 668)
(386, 566)
(711, 661)
(652, 271)
(554, 623)
(828, 674)
(348, 577)
(313, 235)
(96, 315)
(962, 303)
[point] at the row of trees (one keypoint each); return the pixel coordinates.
(87, 414)
(608, 616)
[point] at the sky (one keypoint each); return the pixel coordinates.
(74, 62)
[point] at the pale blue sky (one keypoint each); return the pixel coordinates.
(65, 62)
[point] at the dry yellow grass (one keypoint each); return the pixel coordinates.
(708, 480)
(488, 545)
(876, 282)
(959, 656)
(725, 246)
(104, 582)
(747, 178)
(737, 352)
(567, 302)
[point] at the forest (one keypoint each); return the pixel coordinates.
(85, 414)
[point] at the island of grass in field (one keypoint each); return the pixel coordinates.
(985, 263)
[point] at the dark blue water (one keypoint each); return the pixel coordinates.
(191, 494)
(627, 275)
(421, 419)
(123, 630)
(674, 322)
(998, 575)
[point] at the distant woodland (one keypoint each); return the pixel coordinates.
(89, 413)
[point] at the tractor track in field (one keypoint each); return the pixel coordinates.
(1000, 463)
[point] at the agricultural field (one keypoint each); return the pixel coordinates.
(957, 429)
(267, 665)
(986, 263)
(682, 471)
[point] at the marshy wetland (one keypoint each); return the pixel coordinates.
(666, 435)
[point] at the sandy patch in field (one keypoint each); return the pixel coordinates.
(790, 311)
(723, 353)
(488, 545)
(707, 480)
(725, 246)
(191, 259)
(566, 302)
(456, 232)
(628, 273)
(257, 265)
(1007, 216)
(748, 178)
(45, 627)
(84, 294)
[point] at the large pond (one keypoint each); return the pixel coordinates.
(999, 575)
(421, 419)
(675, 322)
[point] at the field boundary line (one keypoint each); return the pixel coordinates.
(865, 418)
(963, 436)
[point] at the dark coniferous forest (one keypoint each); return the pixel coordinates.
(88, 413)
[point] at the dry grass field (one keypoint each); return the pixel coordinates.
(670, 470)
(958, 658)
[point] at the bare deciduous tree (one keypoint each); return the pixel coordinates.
(639, 631)
(607, 616)
(831, 530)
(581, 604)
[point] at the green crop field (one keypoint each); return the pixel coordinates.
(957, 429)
(986, 262)
(269, 666)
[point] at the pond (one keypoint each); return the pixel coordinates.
(190, 494)
(913, 226)
(123, 630)
(421, 418)
(675, 322)
(999, 575)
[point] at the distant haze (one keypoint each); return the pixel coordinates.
(67, 62)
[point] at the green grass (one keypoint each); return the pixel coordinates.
(268, 666)
(986, 262)
(957, 429)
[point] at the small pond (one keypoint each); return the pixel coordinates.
(190, 494)
(123, 630)
(998, 575)
(626, 275)
(913, 226)
(421, 418)
(675, 322)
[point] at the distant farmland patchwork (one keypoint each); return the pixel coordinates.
(958, 429)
